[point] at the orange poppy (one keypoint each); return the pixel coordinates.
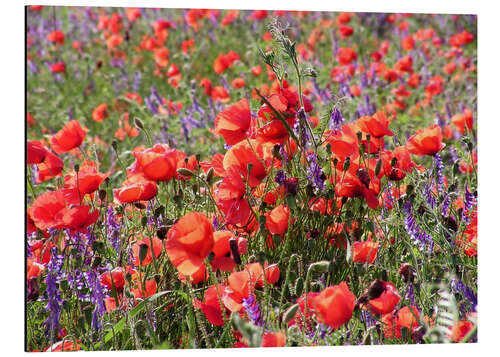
(460, 330)
(277, 220)
(463, 120)
(364, 252)
(100, 112)
(233, 122)
(406, 317)
(148, 259)
(384, 299)
(150, 288)
(334, 305)
(244, 154)
(230, 197)
(343, 143)
(189, 242)
(211, 307)
(376, 125)
(158, 163)
(135, 189)
(273, 339)
(426, 141)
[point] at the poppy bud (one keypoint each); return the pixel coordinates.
(185, 172)
(33, 291)
(410, 189)
(335, 161)
(98, 64)
(102, 195)
(159, 211)
(210, 175)
(138, 123)
(233, 245)
(143, 251)
(290, 314)
(161, 233)
(375, 289)
(329, 149)
(456, 168)
(144, 220)
(359, 135)
(378, 167)
(276, 152)
(347, 164)
(114, 144)
(320, 267)
(210, 257)
(362, 148)
(394, 161)
(127, 36)
(368, 137)
(140, 205)
(249, 167)
(291, 186)
(407, 272)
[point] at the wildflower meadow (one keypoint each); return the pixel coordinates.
(202, 178)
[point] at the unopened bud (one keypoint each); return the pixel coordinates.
(233, 245)
(378, 167)
(320, 267)
(185, 172)
(210, 175)
(102, 195)
(143, 252)
(347, 164)
(138, 123)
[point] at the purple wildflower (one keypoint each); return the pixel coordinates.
(150, 105)
(252, 309)
(54, 300)
(315, 173)
(439, 173)
(113, 230)
(336, 120)
(98, 293)
(280, 177)
(458, 286)
(418, 236)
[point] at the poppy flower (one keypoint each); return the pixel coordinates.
(238, 83)
(35, 152)
(351, 186)
(460, 330)
(461, 38)
(56, 36)
(230, 197)
(463, 120)
(414, 80)
(383, 297)
(69, 137)
(346, 55)
(59, 67)
(302, 315)
(63, 346)
(364, 252)
(89, 178)
(197, 277)
(277, 220)
(189, 242)
(376, 125)
(146, 243)
(346, 31)
(135, 189)
(343, 143)
(273, 339)
(231, 15)
(240, 286)
(434, 86)
(211, 306)
(407, 317)
(233, 122)
(50, 167)
(34, 269)
(158, 163)
(100, 112)
(242, 155)
(408, 43)
(40, 250)
(222, 259)
(256, 70)
(114, 278)
(397, 163)
(334, 305)
(426, 141)
(220, 94)
(216, 163)
(150, 288)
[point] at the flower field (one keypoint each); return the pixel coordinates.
(232, 178)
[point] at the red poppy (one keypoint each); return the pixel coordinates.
(150, 288)
(244, 154)
(220, 94)
(460, 330)
(426, 141)
(132, 13)
(51, 167)
(63, 346)
(408, 43)
(34, 269)
(461, 38)
(364, 252)
(241, 285)
(334, 305)
(56, 36)
(302, 315)
(35, 152)
(158, 163)
(407, 317)
(273, 339)
(197, 277)
(463, 120)
(114, 278)
(238, 83)
(135, 189)
(230, 197)
(222, 259)
(397, 163)
(346, 55)
(346, 31)
(385, 300)
(189, 242)
(351, 186)
(146, 243)
(277, 220)
(343, 143)
(233, 122)
(376, 125)
(434, 86)
(211, 305)
(100, 112)
(58, 209)
(258, 15)
(89, 178)
(59, 67)
(216, 163)
(69, 137)
(404, 64)
(414, 80)
(224, 61)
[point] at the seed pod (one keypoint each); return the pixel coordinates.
(161, 233)
(394, 161)
(102, 195)
(143, 252)
(347, 164)
(77, 168)
(139, 205)
(299, 286)
(185, 172)
(359, 135)
(210, 175)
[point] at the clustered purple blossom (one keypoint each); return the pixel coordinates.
(458, 286)
(113, 228)
(418, 236)
(336, 120)
(315, 173)
(280, 177)
(439, 173)
(253, 311)
(97, 296)
(54, 300)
